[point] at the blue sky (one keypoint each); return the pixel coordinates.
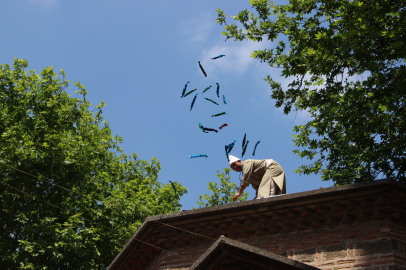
(136, 56)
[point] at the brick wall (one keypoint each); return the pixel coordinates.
(375, 245)
(372, 245)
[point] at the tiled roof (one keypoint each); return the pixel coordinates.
(381, 199)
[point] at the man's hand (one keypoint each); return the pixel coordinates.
(235, 197)
(239, 193)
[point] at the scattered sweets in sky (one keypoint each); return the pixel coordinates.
(173, 187)
(245, 148)
(196, 156)
(210, 129)
(201, 127)
(204, 128)
(204, 72)
(230, 147)
(255, 148)
(184, 89)
(218, 114)
(221, 55)
(243, 141)
(193, 102)
(224, 125)
(190, 92)
(207, 88)
(211, 101)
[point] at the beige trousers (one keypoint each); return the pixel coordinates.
(272, 182)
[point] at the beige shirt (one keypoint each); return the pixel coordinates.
(253, 171)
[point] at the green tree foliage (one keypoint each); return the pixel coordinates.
(55, 137)
(345, 64)
(221, 194)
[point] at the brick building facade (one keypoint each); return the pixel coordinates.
(359, 226)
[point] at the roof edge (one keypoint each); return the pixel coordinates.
(247, 248)
(247, 204)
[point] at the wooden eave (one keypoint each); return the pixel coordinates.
(226, 253)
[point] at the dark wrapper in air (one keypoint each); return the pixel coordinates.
(204, 72)
(196, 156)
(193, 102)
(211, 101)
(245, 148)
(224, 125)
(173, 187)
(190, 92)
(207, 88)
(217, 57)
(243, 141)
(184, 89)
(215, 115)
(255, 148)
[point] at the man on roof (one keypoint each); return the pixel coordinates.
(265, 176)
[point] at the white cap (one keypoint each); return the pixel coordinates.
(232, 159)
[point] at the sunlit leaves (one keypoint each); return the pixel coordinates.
(59, 138)
(223, 193)
(345, 65)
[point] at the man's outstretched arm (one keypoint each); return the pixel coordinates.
(239, 193)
